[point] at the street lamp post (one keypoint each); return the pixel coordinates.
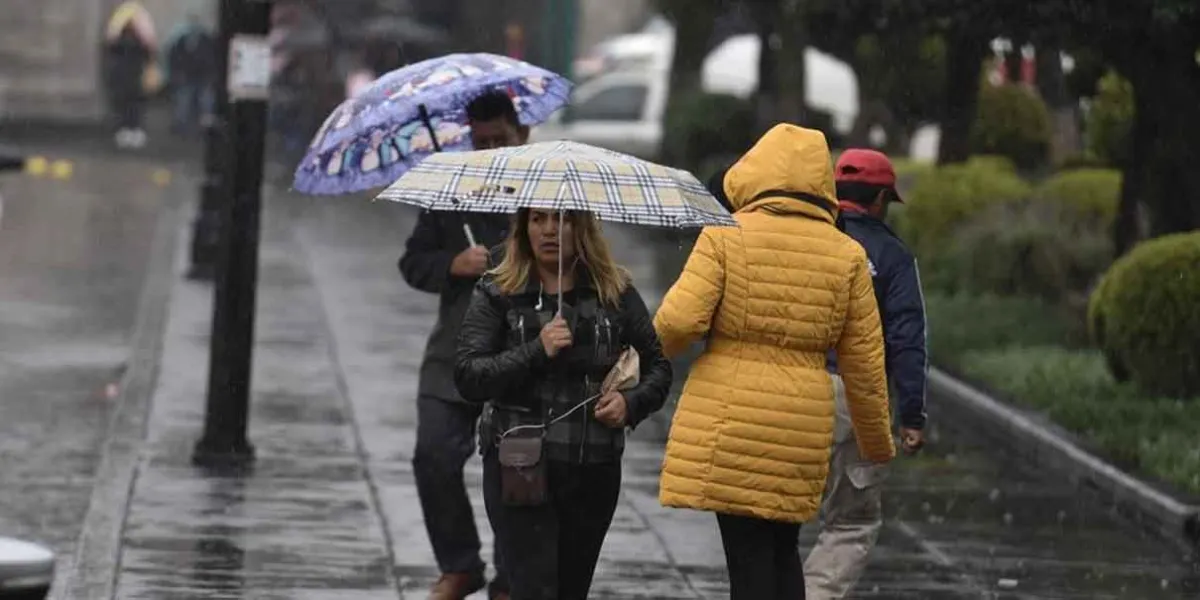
(224, 442)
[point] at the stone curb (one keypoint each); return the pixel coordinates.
(92, 571)
(1173, 520)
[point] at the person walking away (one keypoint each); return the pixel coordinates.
(751, 435)
(551, 441)
(191, 71)
(130, 43)
(439, 259)
(852, 512)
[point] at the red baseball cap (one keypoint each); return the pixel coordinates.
(866, 166)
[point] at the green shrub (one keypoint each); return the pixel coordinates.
(940, 201)
(701, 125)
(962, 323)
(1089, 194)
(909, 171)
(1039, 249)
(1150, 314)
(1154, 435)
(1012, 121)
(1110, 120)
(993, 162)
(1097, 304)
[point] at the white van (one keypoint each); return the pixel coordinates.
(622, 109)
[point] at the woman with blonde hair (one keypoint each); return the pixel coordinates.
(751, 437)
(543, 331)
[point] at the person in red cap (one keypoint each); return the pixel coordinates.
(852, 509)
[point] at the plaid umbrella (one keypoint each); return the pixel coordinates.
(560, 176)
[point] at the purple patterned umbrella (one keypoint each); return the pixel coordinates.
(373, 138)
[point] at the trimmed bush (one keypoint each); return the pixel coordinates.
(1089, 194)
(1038, 249)
(1110, 120)
(941, 200)
(1097, 304)
(1148, 314)
(1012, 121)
(699, 126)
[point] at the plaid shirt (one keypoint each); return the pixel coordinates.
(536, 390)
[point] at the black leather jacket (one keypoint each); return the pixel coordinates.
(501, 361)
(436, 239)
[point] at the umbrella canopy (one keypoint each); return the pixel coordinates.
(374, 137)
(561, 176)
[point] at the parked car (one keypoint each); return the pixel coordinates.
(26, 570)
(619, 110)
(621, 107)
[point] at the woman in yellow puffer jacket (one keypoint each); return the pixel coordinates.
(751, 436)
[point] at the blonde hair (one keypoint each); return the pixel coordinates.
(610, 279)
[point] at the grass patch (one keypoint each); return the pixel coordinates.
(960, 324)
(1073, 388)
(1032, 354)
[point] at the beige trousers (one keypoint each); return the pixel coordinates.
(851, 513)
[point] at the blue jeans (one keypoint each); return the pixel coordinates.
(192, 101)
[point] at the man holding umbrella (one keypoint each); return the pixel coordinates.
(445, 255)
(371, 140)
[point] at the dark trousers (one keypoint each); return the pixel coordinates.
(763, 558)
(192, 101)
(445, 442)
(129, 109)
(551, 550)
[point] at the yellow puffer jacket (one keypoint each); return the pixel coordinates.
(752, 433)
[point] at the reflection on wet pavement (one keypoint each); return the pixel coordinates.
(72, 261)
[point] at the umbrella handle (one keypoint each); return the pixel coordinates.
(560, 259)
(424, 112)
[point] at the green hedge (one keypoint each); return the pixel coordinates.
(1030, 248)
(1090, 194)
(942, 199)
(1148, 314)
(1012, 121)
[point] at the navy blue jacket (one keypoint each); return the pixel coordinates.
(901, 308)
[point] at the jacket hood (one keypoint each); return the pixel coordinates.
(789, 170)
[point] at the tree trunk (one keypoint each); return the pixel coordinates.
(767, 17)
(693, 29)
(793, 34)
(964, 65)
(1169, 110)
(1127, 223)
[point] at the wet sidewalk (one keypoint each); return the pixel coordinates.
(330, 509)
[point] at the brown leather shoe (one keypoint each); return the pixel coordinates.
(457, 586)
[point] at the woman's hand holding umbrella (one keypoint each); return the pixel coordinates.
(556, 336)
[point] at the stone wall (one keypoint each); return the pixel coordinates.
(49, 64)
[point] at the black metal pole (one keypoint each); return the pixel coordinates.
(206, 226)
(228, 405)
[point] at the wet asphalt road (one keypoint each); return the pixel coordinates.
(331, 503)
(73, 253)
